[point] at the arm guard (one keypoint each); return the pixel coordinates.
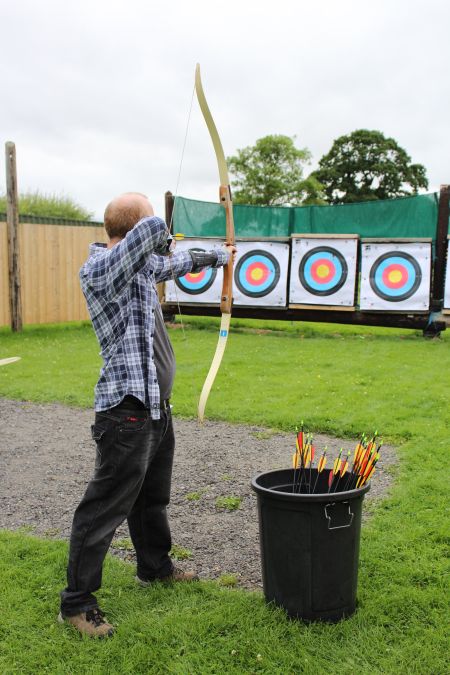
(201, 259)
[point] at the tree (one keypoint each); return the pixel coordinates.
(55, 206)
(367, 166)
(271, 174)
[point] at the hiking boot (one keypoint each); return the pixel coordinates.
(90, 623)
(177, 574)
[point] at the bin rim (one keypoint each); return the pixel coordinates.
(322, 497)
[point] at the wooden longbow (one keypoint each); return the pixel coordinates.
(227, 286)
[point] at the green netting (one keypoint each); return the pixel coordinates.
(207, 219)
(401, 218)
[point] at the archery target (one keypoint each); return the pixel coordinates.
(260, 273)
(395, 276)
(196, 283)
(447, 281)
(203, 287)
(323, 271)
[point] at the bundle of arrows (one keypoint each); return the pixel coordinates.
(345, 474)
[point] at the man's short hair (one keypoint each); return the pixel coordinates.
(120, 218)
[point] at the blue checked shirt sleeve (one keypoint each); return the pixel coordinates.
(178, 264)
(112, 271)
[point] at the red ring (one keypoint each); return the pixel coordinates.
(331, 270)
(251, 268)
(395, 267)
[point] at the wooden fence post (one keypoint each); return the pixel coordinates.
(12, 219)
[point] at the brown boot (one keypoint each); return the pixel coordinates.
(177, 574)
(90, 623)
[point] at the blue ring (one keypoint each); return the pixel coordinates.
(196, 288)
(266, 259)
(329, 287)
(395, 294)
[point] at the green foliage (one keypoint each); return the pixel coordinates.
(365, 165)
(41, 204)
(124, 544)
(229, 580)
(271, 174)
(180, 553)
(230, 503)
(194, 496)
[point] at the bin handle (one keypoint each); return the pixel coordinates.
(328, 517)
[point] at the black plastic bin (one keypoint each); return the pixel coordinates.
(309, 545)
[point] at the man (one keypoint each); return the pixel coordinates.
(133, 425)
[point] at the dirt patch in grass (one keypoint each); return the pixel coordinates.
(47, 458)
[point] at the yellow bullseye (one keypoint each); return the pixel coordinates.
(322, 271)
(257, 274)
(395, 276)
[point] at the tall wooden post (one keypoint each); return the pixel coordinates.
(441, 248)
(12, 219)
(169, 317)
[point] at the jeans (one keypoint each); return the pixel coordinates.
(132, 480)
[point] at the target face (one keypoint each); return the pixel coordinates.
(257, 273)
(195, 288)
(395, 276)
(323, 271)
(195, 283)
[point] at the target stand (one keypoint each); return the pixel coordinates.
(323, 271)
(395, 275)
(446, 309)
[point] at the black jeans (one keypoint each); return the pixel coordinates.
(132, 479)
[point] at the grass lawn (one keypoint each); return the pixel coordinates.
(340, 380)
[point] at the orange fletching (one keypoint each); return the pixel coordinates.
(337, 463)
(344, 468)
(322, 463)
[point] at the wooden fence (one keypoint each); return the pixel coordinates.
(50, 258)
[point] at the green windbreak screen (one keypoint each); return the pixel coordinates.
(206, 219)
(408, 217)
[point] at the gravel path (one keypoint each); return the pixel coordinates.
(47, 456)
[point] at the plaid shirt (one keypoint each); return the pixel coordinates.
(119, 285)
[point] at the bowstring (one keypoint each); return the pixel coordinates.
(174, 207)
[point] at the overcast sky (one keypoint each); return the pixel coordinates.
(96, 93)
